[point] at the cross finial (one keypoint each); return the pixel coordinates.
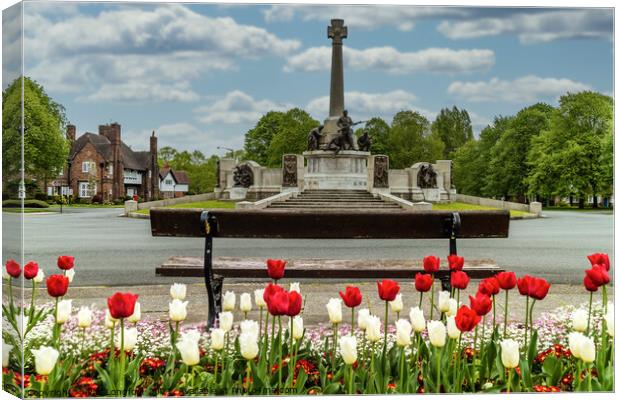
(337, 31)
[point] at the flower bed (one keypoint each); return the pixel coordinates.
(458, 348)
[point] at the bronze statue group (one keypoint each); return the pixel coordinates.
(346, 138)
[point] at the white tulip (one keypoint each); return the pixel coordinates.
(362, 317)
(129, 340)
(190, 352)
(85, 317)
(226, 320)
(45, 359)
(245, 302)
(574, 343)
(109, 321)
(609, 319)
(416, 315)
(5, 275)
(191, 334)
(397, 304)
(334, 309)
(248, 345)
(258, 298)
(453, 331)
(22, 324)
(298, 327)
(249, 326)
(444, 301)
(373, 328)
(403, 332)
(453, 307)
(587, 350)
(348, 349)
(178, 291)
(217, 338)
(70, 273)
(294, 287)
(436, 333)
(579, 320)
(63, 312)
(137, 314)
(6, 354)
(40, 276)
(510, 353)
(178, 310)
(228, 301)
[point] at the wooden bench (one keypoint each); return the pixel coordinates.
(327, 224)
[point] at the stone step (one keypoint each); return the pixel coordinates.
(335, 198)
(334, 205)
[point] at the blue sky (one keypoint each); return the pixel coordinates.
(201, 75)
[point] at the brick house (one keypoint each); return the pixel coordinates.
(102, 164)
(172, 183)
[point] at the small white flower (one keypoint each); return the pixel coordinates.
(249, 326)
(137, 314)
(228, 301)
(226, 320)
(436, 333)
(70, 273)
(258, 298)
(178, 310)
(217, 338)
(416, 315)
(453, 331)
(129, 340)
(45, 359)
(245, 302)
(373, 328)
(63, 312)
(362, 317)
(40, 276)
(403, 332)
(178, 291)
(579, 320)
(294, 287)
(510, 353)
(444, 301)
(348, 349)
(397, 304)
(85, 317)
(334, 309)
(248, 345)
(298, 327)
(6, 353)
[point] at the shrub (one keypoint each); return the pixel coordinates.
(40, 196)
(97, 199)
(29, 203)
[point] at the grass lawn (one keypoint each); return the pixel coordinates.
(199, 204)
(16, 210)
(457, 206)
(88, 206)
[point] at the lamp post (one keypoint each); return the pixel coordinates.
(231, 150)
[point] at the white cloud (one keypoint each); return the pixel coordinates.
(11, 44)
(528, 88)
(135, 46)
(237, 107)
(535, 27)
(141, 91)
(394, 61)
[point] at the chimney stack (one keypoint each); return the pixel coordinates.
(113, 133)
(71, 133)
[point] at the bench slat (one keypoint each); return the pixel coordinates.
(317, 268)
(329, 224)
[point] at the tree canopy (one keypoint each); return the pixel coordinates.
(453, 128)
(200, 169)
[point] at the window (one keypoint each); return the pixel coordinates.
(168, 181)
(110, 169)
(86, 166)
(84, 190)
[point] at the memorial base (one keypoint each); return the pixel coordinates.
(325, 170)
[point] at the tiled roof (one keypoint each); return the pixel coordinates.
(137, 160)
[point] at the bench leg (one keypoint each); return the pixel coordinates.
(213, 283)
(445, 283)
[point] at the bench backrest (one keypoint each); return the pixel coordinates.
(330, 224)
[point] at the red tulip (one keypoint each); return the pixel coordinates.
(481, 304)
(122, 305)
(13, 268)
(65, 262)
(523, 284)
(275, 269)
(294, 304)
(431, 264)
(388, 289)
(600, 259)
(506, 280)
(539, 288)
(352, 297)
(31, 270)
(270, 290)
(466, 319)
(277, 304)
(455, 262)
(589, 285)
(598, 275)
(489, 286)
(57, 285)
(423, 282)
(459, 280)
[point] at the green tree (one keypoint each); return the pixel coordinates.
(409, 140)
(258, 139)
(291, 136)
(508, 167)
(379, 131)
(566, 158)
(45, 145)
(165, 155)
(453, 128)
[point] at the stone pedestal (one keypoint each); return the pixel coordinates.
(237, 193)
(329, 132)
(347, 170)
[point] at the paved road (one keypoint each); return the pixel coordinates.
(110, 250)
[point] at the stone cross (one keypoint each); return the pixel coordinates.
(336, 31)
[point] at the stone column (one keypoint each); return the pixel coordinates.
(336, 31)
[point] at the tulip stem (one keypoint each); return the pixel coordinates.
(260, 322)
(352, 320)
(508, 380)
(402, 370)
(589, 372)
(248, 377)
(527, 308)
(432, 294)
(589, 314)
(334, 344)
(493, 297)
(532, 319)
(280, 346)
(438, 349)
(34, 291)
(420, 303)
(121, 383)
(217, 353)
(385, 332)
(505, 314)
(351, 378)
(56, 326)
